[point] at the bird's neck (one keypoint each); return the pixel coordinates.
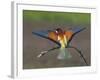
(63, 41)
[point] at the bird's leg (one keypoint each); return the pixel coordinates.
(44, 52)
(80, 53)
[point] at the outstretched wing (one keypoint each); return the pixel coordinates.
(50, 35)
(68, 35)
(71, 33)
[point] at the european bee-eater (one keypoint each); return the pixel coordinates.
(62, 38)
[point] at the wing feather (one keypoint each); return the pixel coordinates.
(73, 32)
(52, 35)
(53, 39)
(68, 34)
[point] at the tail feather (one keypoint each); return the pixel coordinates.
(64, 54)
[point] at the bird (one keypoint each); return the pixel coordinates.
(63, 39)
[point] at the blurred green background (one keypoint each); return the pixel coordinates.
(47, 20)
(58, 17)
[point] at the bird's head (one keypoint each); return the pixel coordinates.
(59, 31)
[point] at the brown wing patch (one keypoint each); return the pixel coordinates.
(68, 34)
(52, 35)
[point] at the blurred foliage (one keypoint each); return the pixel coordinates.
(58, 17)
